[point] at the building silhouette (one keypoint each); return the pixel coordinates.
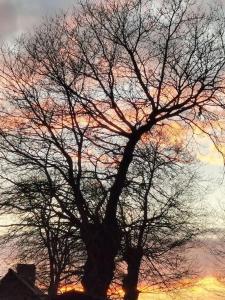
(20, 284)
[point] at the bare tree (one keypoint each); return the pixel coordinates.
(80, 94)
(41, 235)
(158, 218)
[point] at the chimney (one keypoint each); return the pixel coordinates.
(27, 272)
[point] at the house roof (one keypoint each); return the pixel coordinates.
(36, 291)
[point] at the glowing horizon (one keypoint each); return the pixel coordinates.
(203, 288)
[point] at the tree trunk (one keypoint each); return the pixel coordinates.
(102, 240)
(133, 257)
(102, 243)
(53, 289)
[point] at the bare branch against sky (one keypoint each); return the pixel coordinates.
(18, 16)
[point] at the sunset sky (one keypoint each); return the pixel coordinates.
(18, 16)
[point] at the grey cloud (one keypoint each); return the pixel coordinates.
(8, 18)
(17, 16)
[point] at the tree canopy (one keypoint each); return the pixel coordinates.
(84, 91)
